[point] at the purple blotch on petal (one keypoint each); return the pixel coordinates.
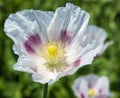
(35, 39)
(28, 47)
(82, 95)
(65, 36)
(100, 90)
(32, 42)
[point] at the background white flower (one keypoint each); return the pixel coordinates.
(51, 45)
(92, 86)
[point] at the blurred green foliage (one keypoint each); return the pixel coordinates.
(104, 13)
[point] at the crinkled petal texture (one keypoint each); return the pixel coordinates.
(92, 86)
(51, 45)
(99, 34)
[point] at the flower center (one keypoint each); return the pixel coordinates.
(52, 51)
(54, 55)
(91, 92)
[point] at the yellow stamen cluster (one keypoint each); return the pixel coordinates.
(54, 54)
(52, 51)
(91, 92)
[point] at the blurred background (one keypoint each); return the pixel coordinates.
(104, 13)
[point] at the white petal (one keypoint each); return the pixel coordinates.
(89, 57)
(84, 48)
(57, 23)
(78, 20)
(102, 86)
(17, 49)
(36, 68)
(88, 45)
(81, 47)
(99, 34)
(25, 64)
(96, 33)
(70, 18)
(80, 87)
(44, 77)
(22, 24)
(91, 79)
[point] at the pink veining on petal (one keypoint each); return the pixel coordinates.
(32, 42)
(65, 37)
(76, 62)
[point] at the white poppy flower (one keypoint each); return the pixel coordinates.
(51, 45)
(92, 86)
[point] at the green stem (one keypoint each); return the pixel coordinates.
(45, 90)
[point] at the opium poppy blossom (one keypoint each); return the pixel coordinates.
(49, 44)
(92, 86)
